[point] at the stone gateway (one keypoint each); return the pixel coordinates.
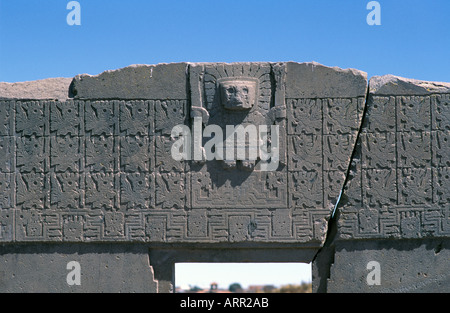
(133, 170)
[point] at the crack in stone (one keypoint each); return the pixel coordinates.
(332, 223)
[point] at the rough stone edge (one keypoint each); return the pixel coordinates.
(400, 86)
(132, 82)
(111, 85)
(45, 89)
(351, 82)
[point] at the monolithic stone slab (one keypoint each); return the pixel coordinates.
(313, 80)
(162, 81)
(102, 268)
(100, 168)
(399, 183)
(51, 88)
(317, 132)
(388, 266)
(394, 85)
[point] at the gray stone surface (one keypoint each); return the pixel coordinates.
(405, 266)
(93, 177)
(396, 198)
(314, 80)
(50, 88)
(399, 182)
(102, 170)
(162, 81)
(394, 85)
(103, 269)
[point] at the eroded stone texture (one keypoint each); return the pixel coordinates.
(316, 141)
(103, 268)
(401, 166)
(162, 81)
(404, 266)
(100, 168)
(50, 88)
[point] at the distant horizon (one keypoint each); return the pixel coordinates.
(246, 274)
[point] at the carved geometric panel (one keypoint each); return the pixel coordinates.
(378, 150)
(136, 118)
(7, 110)
(380, 188)
(441, 185)
(73, 227)
(258, 190)
(32, 118)
(413, 149)
(305, 116)
(333, 182)
(7, 154)
(33, 154)
(66, 191)
(171, 190)
(66, 154)
(7, 191)
(381, 114)
(341, 116)
(101, 191)
(441, 148)
(405, 177)
(137, 190)
(414, 186)
(102, 153)
(164, 161)
(305, 152)
(7, 225)
(101, 118)
(337, 150)
(32, 190)
(136, 153)
(440, 106)
(169, 114)
(102, 170)
(67, 118)
(305, 189)
(413, 113)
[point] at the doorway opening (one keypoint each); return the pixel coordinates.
(243, 277)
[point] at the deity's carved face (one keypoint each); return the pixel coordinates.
(237, 94)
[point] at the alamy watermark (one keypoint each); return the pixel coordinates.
(374, 16)
(74, 276)
(374, 276)
(241, 143)
(74, 16)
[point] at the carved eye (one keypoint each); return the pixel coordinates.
(230, 89)
(245, 90)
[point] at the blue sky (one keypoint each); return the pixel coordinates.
(36, 42)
